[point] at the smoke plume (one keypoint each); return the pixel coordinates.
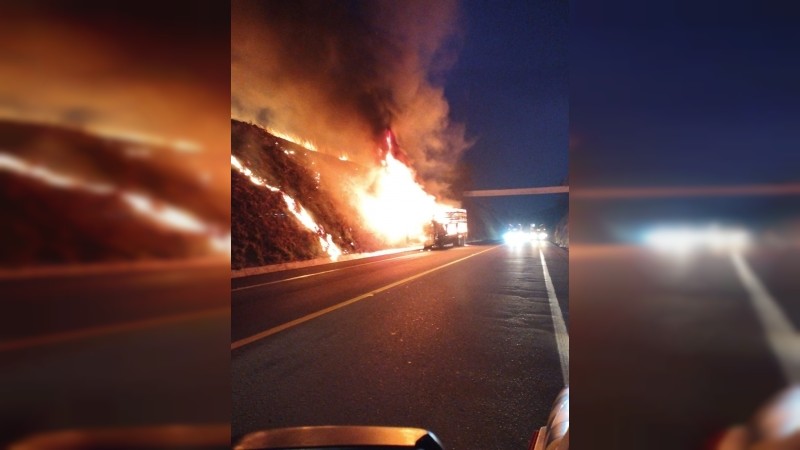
(141, 69)
(340, 73)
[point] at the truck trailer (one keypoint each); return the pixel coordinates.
(447, 228)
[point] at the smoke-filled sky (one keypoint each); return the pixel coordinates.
(473, 90)
(119, 68)
(341, 73)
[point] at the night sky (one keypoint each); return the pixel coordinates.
(510, 86)
(684, 94)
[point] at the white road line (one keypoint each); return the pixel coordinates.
(287, 325)
(781, 335)
(323, 272)
(560, 328)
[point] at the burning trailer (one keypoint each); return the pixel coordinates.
(447, 228)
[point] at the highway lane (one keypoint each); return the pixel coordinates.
(267, 304)
(245, 282)
(776, 267)
(63, 303)
(670, 349)
(467, 350)
(119, 348)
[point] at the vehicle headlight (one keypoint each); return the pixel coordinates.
(514, 237)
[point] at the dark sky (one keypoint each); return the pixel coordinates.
(510, 87)
(685, 93)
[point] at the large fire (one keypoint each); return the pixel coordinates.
(395, 206)
(391, 203)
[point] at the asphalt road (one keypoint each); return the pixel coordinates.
(670, 350)
(61, 303)
(115, 348)
(460, 341)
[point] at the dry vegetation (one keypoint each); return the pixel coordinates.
(45, 225)
(263, 230)
(41, 225)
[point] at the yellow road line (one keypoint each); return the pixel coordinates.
(256, 337)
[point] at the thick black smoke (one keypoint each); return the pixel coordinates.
(340, 73)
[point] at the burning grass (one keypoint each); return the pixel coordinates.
(264, 229)
(70, 197)
(45, 226)
(129, 165)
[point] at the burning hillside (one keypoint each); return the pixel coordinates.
(72, 196)
(293, 203)
(280, 210)
(351, 140)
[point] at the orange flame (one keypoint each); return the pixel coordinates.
(395, 206)
(159, 212)
(308, 145)
(298, 211)
(390, 201)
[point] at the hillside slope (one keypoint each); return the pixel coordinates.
(264, 230)
(72, 197)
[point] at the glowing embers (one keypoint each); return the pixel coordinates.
(176, 218)
(179, 145)
(308, 145)
(297, 210)
(157, 211)
(19, 166)
(255, 179)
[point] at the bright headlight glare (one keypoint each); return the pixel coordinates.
(687, 239)
(514, 237)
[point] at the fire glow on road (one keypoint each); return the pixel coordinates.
(272, 331)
